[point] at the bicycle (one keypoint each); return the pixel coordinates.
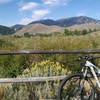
(83, 85)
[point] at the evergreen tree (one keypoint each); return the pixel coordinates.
(84, 32)
(66, 32)
(76, 32)
(90, 30)
(27, 34)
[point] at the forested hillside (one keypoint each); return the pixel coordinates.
(6, 30)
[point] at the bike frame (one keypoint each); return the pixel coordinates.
(93, 70)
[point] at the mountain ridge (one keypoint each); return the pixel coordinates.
(4, 30)
(43, 26)
(66, 22)
(48, 26)
(17, 27)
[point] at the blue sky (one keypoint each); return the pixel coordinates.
(24, 11)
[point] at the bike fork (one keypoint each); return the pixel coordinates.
(95, 76)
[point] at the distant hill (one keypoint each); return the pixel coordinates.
(17, 27)
(44, 29)
(86, 26)
(6, 30)
(50, 26)
(48, 22)
(76, 21)
(66, 22)
(39, 28)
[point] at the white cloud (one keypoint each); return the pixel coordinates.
(56, 2)
(4, 1)
(37, 15)
(82, 13)
(41, 12)
(25, 21)
(50, 2)
(29, 6)
(36, 11)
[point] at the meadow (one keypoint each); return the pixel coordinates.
(39, 65)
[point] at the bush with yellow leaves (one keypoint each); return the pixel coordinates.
(38, 91)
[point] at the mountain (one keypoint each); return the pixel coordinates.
(49, 26)
(45, 29)
(67, 21)
(17, 27)
(76, 21)
(39, 29)
(86, 26)
(48, 22)
(6, 30)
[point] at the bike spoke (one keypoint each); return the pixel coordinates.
(76, 88)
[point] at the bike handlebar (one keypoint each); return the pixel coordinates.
(87, 58)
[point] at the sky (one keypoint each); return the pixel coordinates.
(25, 11)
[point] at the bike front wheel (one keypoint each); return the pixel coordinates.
(75, 87)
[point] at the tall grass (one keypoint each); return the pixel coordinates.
(90, 41)
(13, 66)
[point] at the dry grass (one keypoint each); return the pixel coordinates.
(90, 41)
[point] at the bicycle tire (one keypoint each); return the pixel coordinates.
(65, 80)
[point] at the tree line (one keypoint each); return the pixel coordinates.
(66, 32)
(77, 32)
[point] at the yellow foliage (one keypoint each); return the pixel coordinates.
(46, 68)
